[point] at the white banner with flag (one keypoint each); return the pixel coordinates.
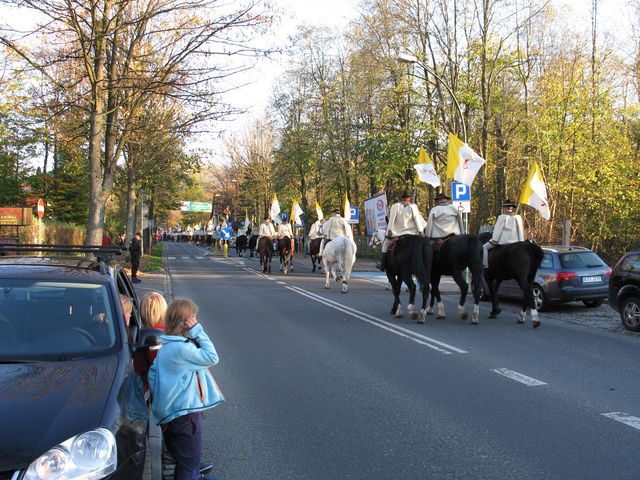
(274, 212)
(296, 211)
(426, 169)
(375, 213)
(535, 192)
(463, 164)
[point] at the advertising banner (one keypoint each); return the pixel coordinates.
(375, 213)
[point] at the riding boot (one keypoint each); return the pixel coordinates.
(381, 265)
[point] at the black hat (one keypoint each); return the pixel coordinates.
(509, 203)
(335, 210)
(406, 193)
(266, 217)
(442, 196)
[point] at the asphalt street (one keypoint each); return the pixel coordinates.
(321, 384)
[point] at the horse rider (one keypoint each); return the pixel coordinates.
(316, 230)
(404, 219)
(508, 229)
(266, 230)
(444, 220)
(284, 230)
(336, 226)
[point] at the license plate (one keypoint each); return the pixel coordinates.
(591, 279)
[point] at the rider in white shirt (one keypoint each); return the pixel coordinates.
(404, 219)
(285, 230)
(444, 219)
(508, 229)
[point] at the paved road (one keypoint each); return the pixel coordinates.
(325, 385)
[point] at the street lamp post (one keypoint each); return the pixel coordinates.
(412, 59)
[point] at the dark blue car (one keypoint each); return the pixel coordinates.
(71, 404)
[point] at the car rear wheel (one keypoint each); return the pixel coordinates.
(592, 303)
(539, 298)
(630, 314)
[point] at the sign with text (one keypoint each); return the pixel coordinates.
(375, 213)
(16, 216)
(354, 215)
(195, 207)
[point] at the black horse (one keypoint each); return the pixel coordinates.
(286, 254)
(518, 261)
(411, 255)
(265, 251)
(314, 251)
(241, 244)
(253, 244)
(452, 257)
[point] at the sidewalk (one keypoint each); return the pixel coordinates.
(158, 281)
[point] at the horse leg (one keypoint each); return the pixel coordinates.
(396, 284)
(413, 315)
(494, 286)
(528, 301)
(476, 289)
(326, 277)
(458, 277)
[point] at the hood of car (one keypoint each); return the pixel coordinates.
(44, 404)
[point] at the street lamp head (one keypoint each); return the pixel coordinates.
(406, 58)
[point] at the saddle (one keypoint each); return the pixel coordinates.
(393, 242)
(438, 242)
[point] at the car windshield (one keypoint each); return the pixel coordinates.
(580, 260)
(54, 320)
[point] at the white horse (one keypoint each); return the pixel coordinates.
(339, 255)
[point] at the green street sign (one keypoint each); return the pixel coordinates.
(196, 207)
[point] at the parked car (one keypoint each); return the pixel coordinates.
(566, 274)
(624, 290)
(72, 404)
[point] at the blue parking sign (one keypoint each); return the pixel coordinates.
(460, 192)
(354, 215)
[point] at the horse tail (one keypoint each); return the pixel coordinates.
(475, 252)
(349, 256)
(536, 254)
(422, 251)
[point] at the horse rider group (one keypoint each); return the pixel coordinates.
(445, 221)
(284, 230)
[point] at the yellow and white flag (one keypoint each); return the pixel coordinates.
(463, 164)
(347, 208)
(535, 192)
(275, 210)
(319, 211)
(296, 211)
(426, 170)
(247, 224)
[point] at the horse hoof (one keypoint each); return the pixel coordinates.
(493, 315)
(474, 322)
(520, 321)
(413, 316)
(420, 320)
(536, 323)
(463, 316)
(441, 317)
(327, 288)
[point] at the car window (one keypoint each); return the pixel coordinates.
(55, 320)
(580, 260)
(547, 261)
(630, 263)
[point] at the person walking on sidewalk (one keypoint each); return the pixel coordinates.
(135, 249)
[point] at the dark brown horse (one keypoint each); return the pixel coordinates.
(265, 251)
(452, 257)
(314, 251)
(517, 261)
(412, 255)
(241, 244)
(286, 254)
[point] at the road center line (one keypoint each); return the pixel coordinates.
(518, 377)
(624, 418)
(377, 323)
(387, 324)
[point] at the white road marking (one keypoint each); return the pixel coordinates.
(624, 418)
(281, 283)
(395, 329)
(199, 258)
(171, 258)
(185, 257)
(518, 377)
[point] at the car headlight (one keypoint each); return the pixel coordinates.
(88, 456)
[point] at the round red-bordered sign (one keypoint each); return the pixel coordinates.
(40, 208)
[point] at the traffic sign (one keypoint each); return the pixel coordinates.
(460, 192)
(40, 208)
(225, 233)
(354, 216)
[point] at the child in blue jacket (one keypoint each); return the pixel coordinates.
(182, 386)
